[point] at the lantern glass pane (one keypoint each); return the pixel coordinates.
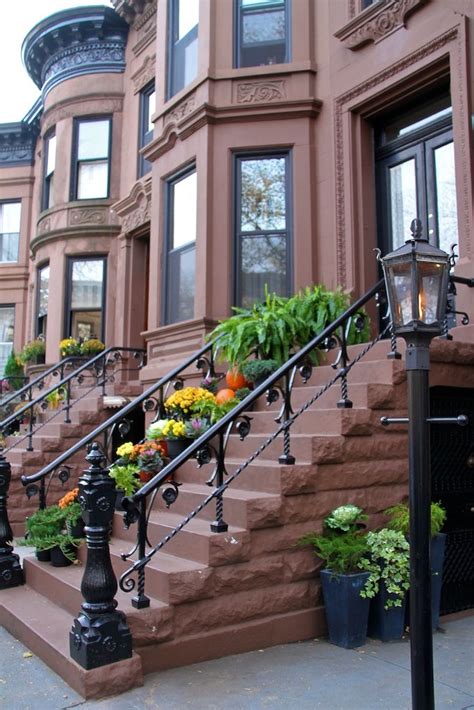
(430, 275)
(400, 293)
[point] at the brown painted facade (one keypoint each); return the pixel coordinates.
(351, 72)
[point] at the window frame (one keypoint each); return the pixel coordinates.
(172, 44)
(238, 157)
(13, 307)
(45, 265)
(68, 310)
(48, 182)
(14, 261)
(176, 177)
(76, 162)
(144, 136)
(239, 13)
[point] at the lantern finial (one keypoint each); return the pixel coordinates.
(416, 228)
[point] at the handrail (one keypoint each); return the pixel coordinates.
(33, 383)
(117, 416)
(64, 381)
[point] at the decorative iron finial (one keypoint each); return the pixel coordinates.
(416, 229)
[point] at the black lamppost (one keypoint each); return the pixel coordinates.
(416, 277)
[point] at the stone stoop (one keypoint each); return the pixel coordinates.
(51, 440)
(215, 594)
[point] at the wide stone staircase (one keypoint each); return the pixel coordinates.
(214, 594)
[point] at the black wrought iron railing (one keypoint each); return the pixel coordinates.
(94, 373)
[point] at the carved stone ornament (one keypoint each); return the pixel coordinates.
(181, 110)
(135, 209)
(145, 74)
(254, 92)
(379, 20)
(44, 225)
(86, 216)
(84, 59)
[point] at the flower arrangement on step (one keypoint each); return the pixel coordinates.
(137, 463)
(45, 530)
(72, 508)
(33, 352)
(89, 347)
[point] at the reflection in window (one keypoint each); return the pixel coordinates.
(262, 238)
(92, 148)
(147, 109)
(262, 32)
(10, 215)
(86, 298)
(183, 43)
(7, 327)
(446, 197)
(49, 166)
(42, 300)
(181, 257)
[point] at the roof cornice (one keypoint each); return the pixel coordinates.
(83, 40)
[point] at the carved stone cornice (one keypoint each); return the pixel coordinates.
(74, 42)
(376, 22)
(145, 73)
(133, 11)
(17, 145)
(135, 208)
(81, 106)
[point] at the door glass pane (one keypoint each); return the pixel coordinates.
(446, 197)
(403, 201)
(264, 263)
(93, 140)
(7, 324)
(87, 280)
(263, 195)
(184, 211)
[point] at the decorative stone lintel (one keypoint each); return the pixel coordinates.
(135, 208)
(376, 22)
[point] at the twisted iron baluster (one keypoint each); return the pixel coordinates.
(219, 525)
(141, 601)
(393, 354)
(344, 402)
(287, 458)
(67, 405)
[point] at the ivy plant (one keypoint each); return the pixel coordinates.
(388, 563)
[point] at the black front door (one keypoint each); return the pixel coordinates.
(452, 467)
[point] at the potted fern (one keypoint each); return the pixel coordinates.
(388, 564)
(399, 519)
(341, 547)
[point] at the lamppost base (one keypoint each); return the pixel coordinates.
(98, 640)
(11, 573)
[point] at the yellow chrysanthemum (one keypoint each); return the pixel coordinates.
(125, 449)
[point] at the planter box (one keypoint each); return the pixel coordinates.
(346, 611)
(386, 624)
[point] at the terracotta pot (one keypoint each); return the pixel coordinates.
(145, 476)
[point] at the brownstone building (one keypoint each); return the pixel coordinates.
(183, 155)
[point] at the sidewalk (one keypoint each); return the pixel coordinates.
(307, 675)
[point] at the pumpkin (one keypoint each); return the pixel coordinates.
(235, 380)
(224, 395)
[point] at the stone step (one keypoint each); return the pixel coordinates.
(194, 542)
(347, 422)
(43, 627)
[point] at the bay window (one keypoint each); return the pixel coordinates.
(183, 22)
(91, 159)
(85, 297)
(10, 215)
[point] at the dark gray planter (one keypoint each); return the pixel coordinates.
(346, 611)
(386, 624)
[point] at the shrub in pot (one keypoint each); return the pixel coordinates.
(341, 547)
(388, 564)
(399, 519)
(257, 371)
(33, 352)
(41, 527)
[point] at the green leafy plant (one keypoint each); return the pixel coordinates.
(388, 563)
(32, 350)
(63, 540)
(56, 397)
(91, 347)
(212, 411)
(46, 522)
(255, 370)
(272, 329)
(399, 518)
(13, 371)
(125, 477)
(340, 553)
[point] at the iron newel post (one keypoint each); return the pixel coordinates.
(11, 573)
(416, 277)
(100, 634)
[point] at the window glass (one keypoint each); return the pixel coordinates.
(188, 16)
(182, 285)
(262, 238)
(93, 140)
(263, 194)
(42, 299)
(184, 211)
(403, 200)
(150, 111)
(51, 153)
(263, 27)
(263, 33)
(86, 298)
(7, 327)
(93, 180)
(10, 215)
